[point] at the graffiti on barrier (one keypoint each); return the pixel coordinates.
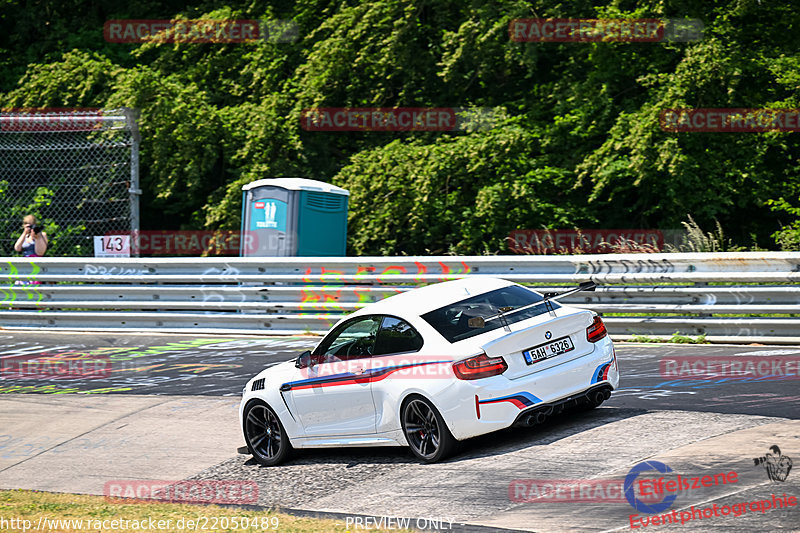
(222, 294)
(102, 270)
(625, 266)
(21, 286)
(328, 296)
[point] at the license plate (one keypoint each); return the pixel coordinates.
(548, 350)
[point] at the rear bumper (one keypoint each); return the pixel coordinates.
(498, 402)
(592, 396)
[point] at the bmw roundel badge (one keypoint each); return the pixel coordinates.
(547, 334)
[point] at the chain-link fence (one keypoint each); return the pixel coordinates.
(75, 170)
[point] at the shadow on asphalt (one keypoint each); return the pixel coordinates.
(493, 444)
(347, 456)
(552, 430)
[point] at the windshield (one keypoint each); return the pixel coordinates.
(452, 321)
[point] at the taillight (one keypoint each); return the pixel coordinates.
(596, 331)
(480, 366)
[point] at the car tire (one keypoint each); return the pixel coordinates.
(264, 434)
(426, 432)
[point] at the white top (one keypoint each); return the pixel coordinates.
(297, 184)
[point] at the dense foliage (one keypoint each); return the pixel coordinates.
(581, 146)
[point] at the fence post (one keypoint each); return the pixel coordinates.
(132, 116)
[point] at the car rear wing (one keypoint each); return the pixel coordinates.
(586, 286)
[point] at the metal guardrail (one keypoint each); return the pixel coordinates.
(657, 294)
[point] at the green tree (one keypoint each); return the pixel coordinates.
(584, 146)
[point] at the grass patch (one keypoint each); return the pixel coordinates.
(676, 338)
(97, 514)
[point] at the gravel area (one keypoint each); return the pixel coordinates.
(311, 474)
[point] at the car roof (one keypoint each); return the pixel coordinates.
(424, 299)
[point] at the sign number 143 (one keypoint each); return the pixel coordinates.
(112, 246)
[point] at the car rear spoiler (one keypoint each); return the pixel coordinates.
(585, 286)
(480, 322)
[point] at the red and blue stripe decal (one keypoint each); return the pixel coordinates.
(349, 378)
(520, 399)
(601, 372)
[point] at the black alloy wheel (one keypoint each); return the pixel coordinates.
(425, 430)
(264, 434)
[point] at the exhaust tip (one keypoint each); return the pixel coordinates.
(534, 419)
(598, 397)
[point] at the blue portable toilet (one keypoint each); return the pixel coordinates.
(285, 217)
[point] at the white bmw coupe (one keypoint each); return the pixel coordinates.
(430, 367)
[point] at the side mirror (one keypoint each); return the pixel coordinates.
(304, 360)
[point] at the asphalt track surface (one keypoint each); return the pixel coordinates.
(220, 366)
(695, 426)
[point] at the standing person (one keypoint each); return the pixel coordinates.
(33, 241)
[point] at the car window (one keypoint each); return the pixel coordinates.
(452, 321)
(352, 340)
(397, 336)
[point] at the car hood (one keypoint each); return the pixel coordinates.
(276, 372)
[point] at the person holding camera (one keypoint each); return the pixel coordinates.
(33, 241)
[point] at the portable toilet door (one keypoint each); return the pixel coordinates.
(322, 223)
